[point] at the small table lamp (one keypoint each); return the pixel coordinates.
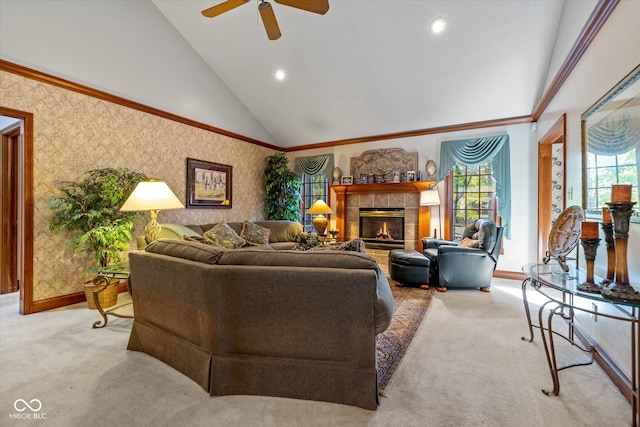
(151, 196)
(320, 222)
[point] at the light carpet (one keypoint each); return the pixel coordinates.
(466, 366)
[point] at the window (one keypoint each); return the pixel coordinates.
(605, 171)
(473, 196)
(314, 187)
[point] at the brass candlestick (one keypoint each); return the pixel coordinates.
(621, 290)
(590, 249)
(607, 229)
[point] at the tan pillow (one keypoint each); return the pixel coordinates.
(469, 243)
(223, 235)
(254, 234)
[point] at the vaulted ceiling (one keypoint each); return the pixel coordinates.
(373, 67)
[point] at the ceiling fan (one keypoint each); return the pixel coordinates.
(266, 11)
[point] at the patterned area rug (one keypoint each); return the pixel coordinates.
(410, 306)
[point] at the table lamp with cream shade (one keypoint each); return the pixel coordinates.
(152, 196)
(432, 198)
(319, 208)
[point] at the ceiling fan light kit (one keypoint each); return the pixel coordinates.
(266, 11)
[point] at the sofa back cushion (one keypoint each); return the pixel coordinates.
(326, 259)
(281, 231)
(194, 251)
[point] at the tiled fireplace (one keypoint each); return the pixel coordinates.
(351, 198)
(382, 228)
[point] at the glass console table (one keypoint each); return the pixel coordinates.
(546, 277)
(102, 280)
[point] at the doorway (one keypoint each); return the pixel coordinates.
(551, 181)
(11, 130)
(17, 190)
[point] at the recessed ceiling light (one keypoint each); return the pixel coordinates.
(280, 75)
(438, 24)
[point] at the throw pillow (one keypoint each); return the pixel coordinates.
(355, 245)
(306, 241)
(469, 243)
(254, 234)
(223, 235)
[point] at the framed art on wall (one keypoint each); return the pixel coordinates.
(208, 184)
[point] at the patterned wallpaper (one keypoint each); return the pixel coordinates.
(74, 133)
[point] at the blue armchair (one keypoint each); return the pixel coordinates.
(465, 267)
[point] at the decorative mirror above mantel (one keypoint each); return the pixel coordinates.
(611, 146)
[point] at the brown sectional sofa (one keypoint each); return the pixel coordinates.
(282, 236)
(262, 322)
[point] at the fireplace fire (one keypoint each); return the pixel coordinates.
(382, 228)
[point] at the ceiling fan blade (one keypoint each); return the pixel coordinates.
(315, 6)
(269, 20)
(223, 7)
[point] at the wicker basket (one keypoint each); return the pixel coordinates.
(107, 298)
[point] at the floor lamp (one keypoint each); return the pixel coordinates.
(432, 198)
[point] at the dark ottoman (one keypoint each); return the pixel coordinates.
(407, 267)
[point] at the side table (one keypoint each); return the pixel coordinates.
(102, 280)
(542, 278)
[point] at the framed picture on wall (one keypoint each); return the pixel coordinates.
(208, 184)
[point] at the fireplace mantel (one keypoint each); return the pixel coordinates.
(387, 187)
(342, 191)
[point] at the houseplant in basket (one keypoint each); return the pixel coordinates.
(88, 210)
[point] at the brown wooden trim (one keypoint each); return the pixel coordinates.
(388, 187)
(598, 17)
(26, 273)
(86, 90)
(419, 132)
(545, 164)
(557, 131)
(65, 300)
(57, 302)
(424, 224)
(513, 275)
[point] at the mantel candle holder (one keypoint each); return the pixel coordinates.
(590, 249)
(607, 229)
(621, 290)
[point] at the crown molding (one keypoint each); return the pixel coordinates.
(596, 21)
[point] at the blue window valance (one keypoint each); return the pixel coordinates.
(614, 135)
(314, 165)
(474, 152)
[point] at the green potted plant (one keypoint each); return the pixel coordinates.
(282, 188)
(88, 210)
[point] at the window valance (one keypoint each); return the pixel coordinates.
(474, 152)
(614, 136)
(314, 165)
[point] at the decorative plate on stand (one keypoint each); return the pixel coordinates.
(564, 236)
